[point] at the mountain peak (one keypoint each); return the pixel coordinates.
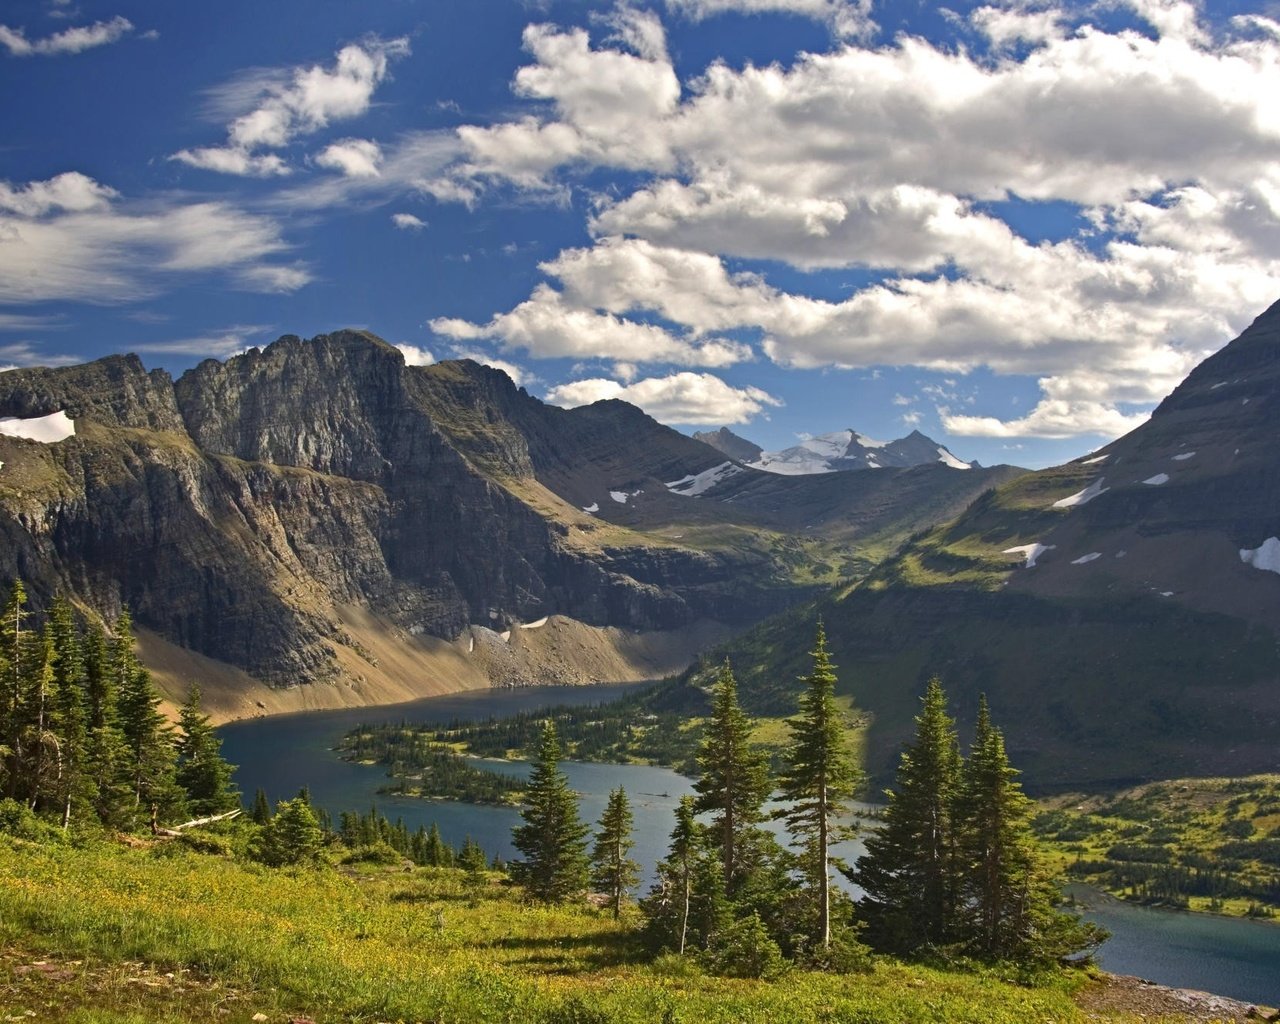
(845, 450)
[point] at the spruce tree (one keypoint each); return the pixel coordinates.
(69, 715)
(471, 857)
(260, 813)
(552, 838)
(292, 836)
(201, 771)
(818, 781)
(106, 757)
(910, 872)
(733, 784)
(670, 906)
(613, 871)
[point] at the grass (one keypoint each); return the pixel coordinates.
(166, 934)
(1208, 845)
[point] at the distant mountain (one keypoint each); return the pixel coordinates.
(1121, 612)
(725, 440)
(318, 524)
(848, 450)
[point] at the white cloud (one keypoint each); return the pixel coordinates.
(415, 356)
(547, 326)
(519, 376)
(296, 102)
(685, 397)
(23, 353)
(408, 222)
(71, 40)
(850, 18)
(1049, 419)
(219, 344)
(356, 158)
(73, 238)
(1164, 141)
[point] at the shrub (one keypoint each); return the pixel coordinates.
(19, 820)
(375, 853)
(745, 950)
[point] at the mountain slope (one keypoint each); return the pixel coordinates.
(1122, 611)
(320, 513)
(846, 450)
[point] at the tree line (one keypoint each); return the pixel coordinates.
(81, 733)
(952, 871)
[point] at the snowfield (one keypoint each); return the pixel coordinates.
(51, 429)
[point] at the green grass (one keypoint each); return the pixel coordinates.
(168, 934)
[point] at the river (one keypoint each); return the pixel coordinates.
(282, 754)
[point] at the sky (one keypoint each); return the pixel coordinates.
(1015, 226)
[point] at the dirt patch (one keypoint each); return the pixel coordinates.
(1113, 994)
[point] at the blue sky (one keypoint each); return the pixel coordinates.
(1014, 225)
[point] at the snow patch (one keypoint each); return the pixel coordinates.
(1265, 556)
(1157, 480)
(1085, 559)
(51, 429)
(696, 483)
(1031, 551)
(1166, 593)
(947, 459)
(537, 624)
(1220, 384)
(1244, 401)
(1183, 457)
(471, 643)
(1082, 497)
(619, 496)
(591, 509)
(1096, 458)
(506, 636)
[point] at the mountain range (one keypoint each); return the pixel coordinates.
(319, 524)
(1121, 611)
(840, 451)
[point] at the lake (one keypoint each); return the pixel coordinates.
(282, 754)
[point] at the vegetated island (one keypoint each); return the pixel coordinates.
(1209, 845)
(426, 767)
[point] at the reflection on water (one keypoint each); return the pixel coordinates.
(282, 754)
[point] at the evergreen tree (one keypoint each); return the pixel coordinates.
(106, 756)
(670, 905)
(471, 857)
(552, 838)
(148, 737)
(18, 659)
(910, 872)
(201, 771)
(818, 782)
(733, 784)
(613, 871)
(437, 852)
(292, 836)
(68, 715)
(1008, 894)
(260, 813)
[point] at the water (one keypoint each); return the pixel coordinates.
(282, 754)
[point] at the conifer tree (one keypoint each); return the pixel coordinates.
(292, 836)
(68, 716)
(613, 871)
(471, 857)
(260, 813)
(552, 838)
(106, 758)
(670, 905)
(819, 780)
(201, 771)
(17, 658)
(733, 785)
(910, 872)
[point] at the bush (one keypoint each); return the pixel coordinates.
(19, 820)
(375, 853)
(207, 842)
(745, 950)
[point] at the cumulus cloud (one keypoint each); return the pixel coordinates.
(685, 397)
(850, 18)
(898, 158)
(71, 40)
(408, 222)
(71, 237)
(284, 105)
(356, 158)
(415, 356)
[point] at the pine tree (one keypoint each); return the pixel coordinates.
(552, 838)
(1008, 894)
(613, 871)
(910, 872)
(471, 857)
(68, 715)
(818, 782)
(260, 813)
(150, 752)
(733, 784)
(201, 771)
(669, 907)
(106, 757)
(292, 836)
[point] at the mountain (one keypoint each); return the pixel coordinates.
(849, 450)
(1122, 611)
(725, 440)
(318, 524)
